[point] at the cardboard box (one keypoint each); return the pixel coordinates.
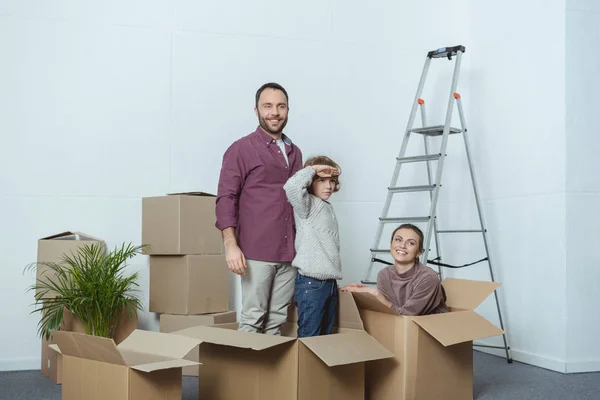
(146, 366)
(242, 365)
(52, 359)
(193, 284)
(181, 223)
(433, 353)
(125, 325)
(171, 323)
(52, 249)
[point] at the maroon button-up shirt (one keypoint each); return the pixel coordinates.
(251, 198)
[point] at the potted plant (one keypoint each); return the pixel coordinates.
(91, 285)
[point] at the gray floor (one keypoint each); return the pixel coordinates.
(494, 380)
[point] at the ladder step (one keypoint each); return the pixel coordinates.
(404, 189)
(402, 220)
(436, 130)
(429, 157)
(380, 250)
(461, 231)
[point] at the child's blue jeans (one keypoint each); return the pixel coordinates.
(317, 304)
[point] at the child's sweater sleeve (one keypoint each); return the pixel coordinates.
(296, 190)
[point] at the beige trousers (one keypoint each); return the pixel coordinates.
(267, 292)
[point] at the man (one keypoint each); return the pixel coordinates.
(255, 218)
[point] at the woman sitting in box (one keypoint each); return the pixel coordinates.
(408, 287)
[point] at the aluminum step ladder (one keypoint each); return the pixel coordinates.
(434, 182)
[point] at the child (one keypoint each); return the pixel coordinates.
(317, 245)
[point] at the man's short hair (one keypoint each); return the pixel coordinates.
(271, 85)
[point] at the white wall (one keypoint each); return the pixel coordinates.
(102, 105)
(517, 130)
(583, 185)
(131, 99)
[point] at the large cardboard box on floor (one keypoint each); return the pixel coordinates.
(192, 284)
(53, 248)
(433, 353)
(242, 365)
(181, 223)
(52, 359)
(145, 366)
(171, 323)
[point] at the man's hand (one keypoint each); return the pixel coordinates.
(325, 171)
(236, 262)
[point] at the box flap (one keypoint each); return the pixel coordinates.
(192, 194)
(346, 348)
(467, 294)
(366, 301)
(457, 327)
(88, 347)
(159, 344)
(160, 365)
(227, 325)
(55, 348)
(348, 315)
(68, 235)
(234, 338)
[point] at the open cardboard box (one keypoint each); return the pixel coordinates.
(52, 359)
(242, 365)
(145, 366)
(434, 353)
(171, 323)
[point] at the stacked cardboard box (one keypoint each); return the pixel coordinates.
(189, 279)
(52, 249)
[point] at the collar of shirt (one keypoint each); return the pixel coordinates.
(268, 140)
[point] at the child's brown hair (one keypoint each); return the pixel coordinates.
(324, 160)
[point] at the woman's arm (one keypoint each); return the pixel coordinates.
(359, 287)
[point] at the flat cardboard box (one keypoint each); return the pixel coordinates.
(242, 365)
(433, 353)
(52, 359)
(52, 248)
(145, 366)
(171, 323)
(180, 224)
(192, 284)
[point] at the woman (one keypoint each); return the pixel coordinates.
(408, 287)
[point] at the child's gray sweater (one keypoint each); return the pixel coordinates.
(317, 237)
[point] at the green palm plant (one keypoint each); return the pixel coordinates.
(91, 285)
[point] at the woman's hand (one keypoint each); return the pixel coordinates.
(350, 286)
(359, 287)
(373, 291)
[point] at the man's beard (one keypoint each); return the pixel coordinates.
(265, 125)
